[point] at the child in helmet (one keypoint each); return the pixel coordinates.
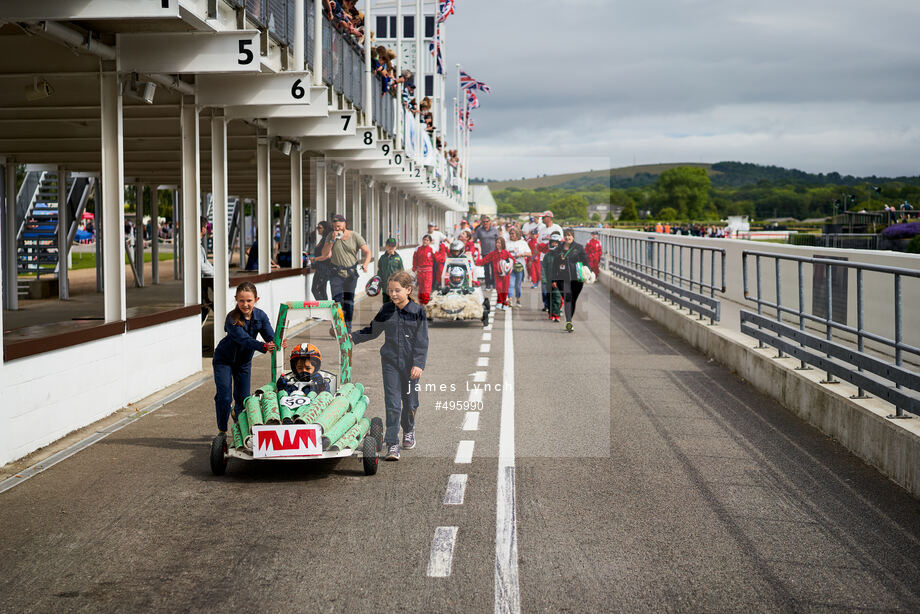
(306, 361)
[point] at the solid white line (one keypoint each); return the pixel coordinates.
(479, 376)
(487, 336)
(471, 422)
(456, 487)
(442, 552)
(476, 395)
(507, 588)
(484, 348)
(464, 454)
(69, 451)
(483, 361)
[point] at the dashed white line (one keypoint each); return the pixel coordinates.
(464, 454)
(476, 395)
(483, 361)
(456, 487)
(484, 348)
(507, 587)
(442, 552)
(479, 376)
(487, 336)
(471, 421)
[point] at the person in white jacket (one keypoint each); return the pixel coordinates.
(520, 251)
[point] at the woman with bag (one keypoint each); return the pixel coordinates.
(566, 277)
(321, 268)
(520, 251)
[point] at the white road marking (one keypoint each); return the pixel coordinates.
(456, 487)
(484, 348)
(464, 454)
(488, 327)
(479, 376)
(442, 552)
(507, 588)
(476, 395)
(483, 361)
(487, 336)
(471, 422)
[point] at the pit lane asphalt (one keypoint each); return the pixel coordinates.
(648, 479)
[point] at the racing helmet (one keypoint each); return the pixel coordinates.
(455, 276)
(309, 352)
(373, 286)
(456, 248)
(505, 266)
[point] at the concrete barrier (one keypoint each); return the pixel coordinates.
(861, 425)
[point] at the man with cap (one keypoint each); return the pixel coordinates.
(342, 252)
(544, 230)
(528, 226)
(594, 251)
(486, 234)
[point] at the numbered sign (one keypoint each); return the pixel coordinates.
(339, 123)
(295, 402)
(288, 88)
(66, 10)
(189, 52)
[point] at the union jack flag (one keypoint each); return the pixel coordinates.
(473, 99)
(469, 83)
(434, 47)
(445, 9)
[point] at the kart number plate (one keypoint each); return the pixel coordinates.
(285, 440)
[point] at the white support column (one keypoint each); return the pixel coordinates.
(112, 190)
(318, 42)
(264, 204)
(319, 189)
(154, 235)
(339, 188)
(219, 220)
(357, 203)
(300, 24)
(139, 233)
(63, 228)
(368, 76)
(10, 228)
(297, 238)
(191, 202)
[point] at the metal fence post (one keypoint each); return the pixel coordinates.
(830, 306)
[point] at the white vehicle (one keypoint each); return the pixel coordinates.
(458, 298)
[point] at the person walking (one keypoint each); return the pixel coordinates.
(389, 262)
(402, 359)
(486, 234)
(533, 262)
(342, 251)
(565, 273)
(321, 270)
(594, 251)
(520, 251)
(423, 267)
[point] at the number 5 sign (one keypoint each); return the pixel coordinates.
(189, 52)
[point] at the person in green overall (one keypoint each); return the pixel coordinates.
(388, 263)
(547, 266)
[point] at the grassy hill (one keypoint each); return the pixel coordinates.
(585, 178)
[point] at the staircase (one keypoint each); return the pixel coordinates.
(37, 211)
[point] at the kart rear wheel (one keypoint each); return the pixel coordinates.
(485, 312)
(219, 454)
(369, 451)
(377, 432)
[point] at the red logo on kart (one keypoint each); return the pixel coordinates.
(272, 441)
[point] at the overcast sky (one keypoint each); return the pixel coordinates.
(810, 84)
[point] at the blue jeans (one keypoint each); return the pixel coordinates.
(400, 403)
(517, 278)
(232, 386)
(343, 292)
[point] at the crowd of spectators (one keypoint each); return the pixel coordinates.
(690, 230)
(347, 19)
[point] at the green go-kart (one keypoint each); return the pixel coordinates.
(304, 426)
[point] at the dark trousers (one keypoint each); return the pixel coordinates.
(320, 279)
(207, 297)
(232, 383)
(401, 401)
(490, 277)
(343, 291)
(570, 292)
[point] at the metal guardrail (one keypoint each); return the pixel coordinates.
(867, 372)
(383, 112)
(839, 240)
(659, 266)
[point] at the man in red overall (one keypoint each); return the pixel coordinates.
(423, 265)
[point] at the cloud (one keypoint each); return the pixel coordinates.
(819, 85)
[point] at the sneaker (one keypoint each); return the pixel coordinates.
(545, 309)
(392, 453)
(532, 286)
(518, 303)
(409, 440)
(569, 327)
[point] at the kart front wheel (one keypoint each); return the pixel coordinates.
(369, 452)
(219, 454)
(377, 432)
